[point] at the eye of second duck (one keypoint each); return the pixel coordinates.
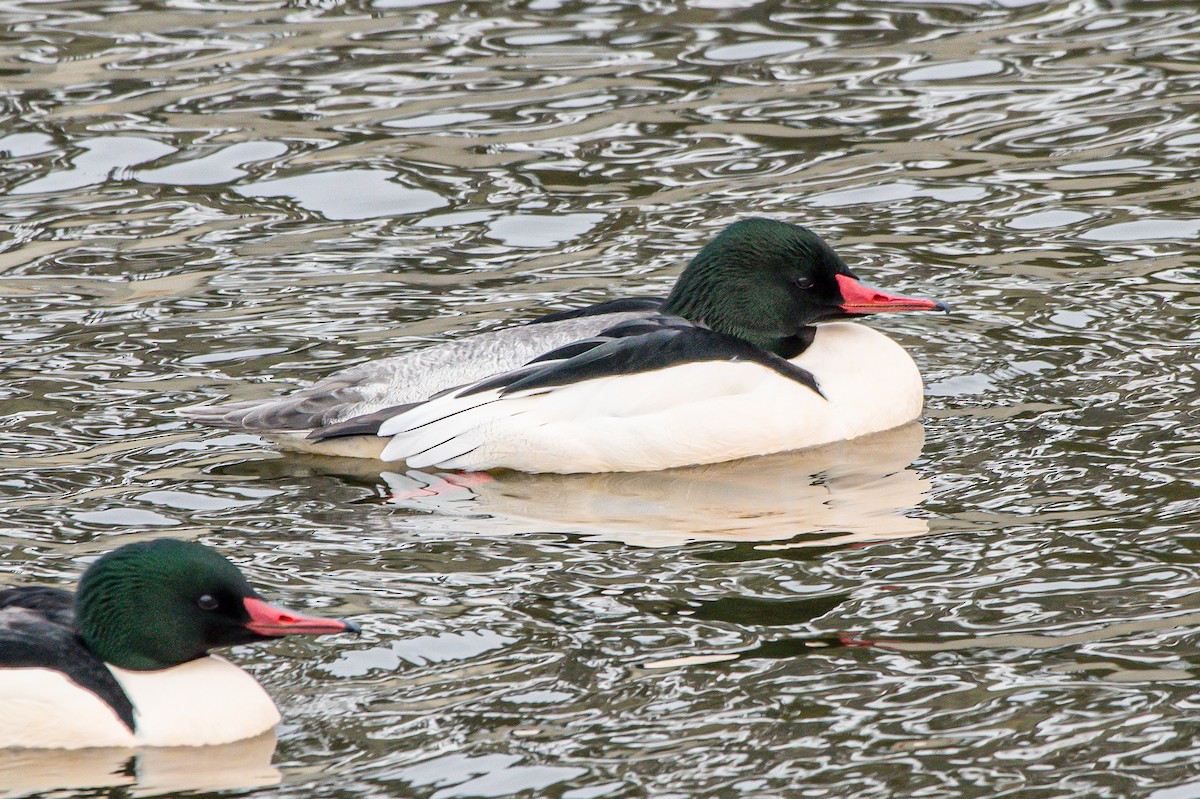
(751, 353)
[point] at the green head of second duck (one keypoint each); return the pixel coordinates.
(156, 604)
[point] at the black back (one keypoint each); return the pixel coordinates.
(622, 305)
(635, 346)
(37, 630)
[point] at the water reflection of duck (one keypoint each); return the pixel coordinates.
(838, 494)
(124, 662)
(146, 772)
(737, 361)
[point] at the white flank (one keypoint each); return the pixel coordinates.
(203, 702)
(702, 412)
(42, 709)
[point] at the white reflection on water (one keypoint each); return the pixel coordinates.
(857, 490)
(240, 765)
(1146, 229)
(348, 194)
(100, 158)
(490, 775)
(538, 230)
(420, 651)
(223, 166)
(891, 192)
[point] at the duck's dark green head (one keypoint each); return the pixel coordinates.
(156, 604)
(767, 282)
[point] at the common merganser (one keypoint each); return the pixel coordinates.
(124, 661)
(746, 356)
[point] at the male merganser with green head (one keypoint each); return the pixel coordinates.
(750, 354)
(124, 661)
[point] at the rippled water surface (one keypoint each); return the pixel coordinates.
(201, 199)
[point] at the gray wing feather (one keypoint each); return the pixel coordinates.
(370, 387)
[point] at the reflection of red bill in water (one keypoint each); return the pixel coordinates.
(851, 642)
(444, 484)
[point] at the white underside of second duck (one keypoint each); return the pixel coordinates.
(204, 702)
(693, 413)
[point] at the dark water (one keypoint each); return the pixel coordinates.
(210, 198)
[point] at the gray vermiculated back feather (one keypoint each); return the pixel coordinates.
(409, 378)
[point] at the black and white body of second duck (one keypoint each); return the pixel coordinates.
(748, 355)
(124, 661)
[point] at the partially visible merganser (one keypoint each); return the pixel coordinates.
(124, 662)
(745, 357)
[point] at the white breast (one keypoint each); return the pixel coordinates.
(702, 412)
(871, 382)
(206, 701)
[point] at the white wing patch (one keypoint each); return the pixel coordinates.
(691, 413)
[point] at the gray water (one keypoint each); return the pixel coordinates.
(201, 199)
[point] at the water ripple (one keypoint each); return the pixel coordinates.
(236, 197)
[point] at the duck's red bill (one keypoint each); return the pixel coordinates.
(269, 620)
(861, 298)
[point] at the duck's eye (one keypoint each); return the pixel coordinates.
(805, 283)
(207, 602)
